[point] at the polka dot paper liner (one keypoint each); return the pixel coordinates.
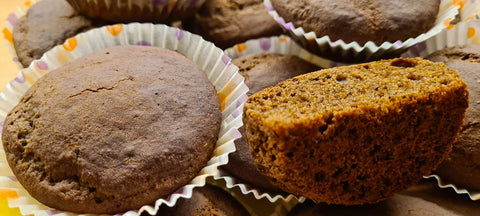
(228, 83)
(463, 33)
(355, 52)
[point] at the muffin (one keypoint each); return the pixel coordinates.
(154, 11)
(261, 71)
(47, 23)
(461, 166)
(113, 130)
(361, 21)
(228, 22)
(206, 201)
(356, 134)
(398, 205)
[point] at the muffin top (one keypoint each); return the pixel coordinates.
(361, 20)
(228, 22)
(113, 130)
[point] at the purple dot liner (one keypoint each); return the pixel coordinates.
(144, 43)
(180, 34)
(226, 60)
(41, 65)
(265, 44)
(20, 79)
(12, 19)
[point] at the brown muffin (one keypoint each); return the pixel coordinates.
(261, 71)
(462, 165)
(398, 205)
(47, 23)
(206, 201)
(356, 134)
(229, 22)
(113, 130)
(155, 11)
(361, 20)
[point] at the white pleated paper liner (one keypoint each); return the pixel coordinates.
(464, 33)
(256, 202)
(223, 75)
(354, 52)
(281, 45)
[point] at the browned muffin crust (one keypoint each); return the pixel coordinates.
(462, 164)
(113, 130)
(47, 23)
(356, 134)
(261, 71)
(206, 201)
(361, 20)
(229, 22)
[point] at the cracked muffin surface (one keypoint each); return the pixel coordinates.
(113, 130)
(462, 164)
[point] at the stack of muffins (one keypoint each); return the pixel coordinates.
(126, 127)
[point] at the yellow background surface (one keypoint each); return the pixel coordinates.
(8, 68)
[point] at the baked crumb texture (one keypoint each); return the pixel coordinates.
(356, 134)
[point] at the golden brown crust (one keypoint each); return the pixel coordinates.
(356, 134)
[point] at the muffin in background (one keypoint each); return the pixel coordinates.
(206, 201)
(47, 23)
(261, 71)
(361, 21)
(155, 11)
(461, 166)
(229, 22)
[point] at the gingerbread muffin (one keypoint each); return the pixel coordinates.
(47, 23)
(398, 205)
(206, 201)
(356, 134)
(113, 130)
(154, 11)
(229, 22)
(361, 21)
(462, 165)
(261, 71)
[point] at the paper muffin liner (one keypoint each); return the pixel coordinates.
(464, 33)
(168, 10)
(355, 52)
(281, 45)
(256, 207)
(8, 30)
(223, 75)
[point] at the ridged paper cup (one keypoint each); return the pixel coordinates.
(156, 11)
(281, 45)
(466, 32)
(223, 75)
(355, 52)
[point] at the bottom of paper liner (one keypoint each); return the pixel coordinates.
(255, 206)
(232, 182)
(474, 195)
